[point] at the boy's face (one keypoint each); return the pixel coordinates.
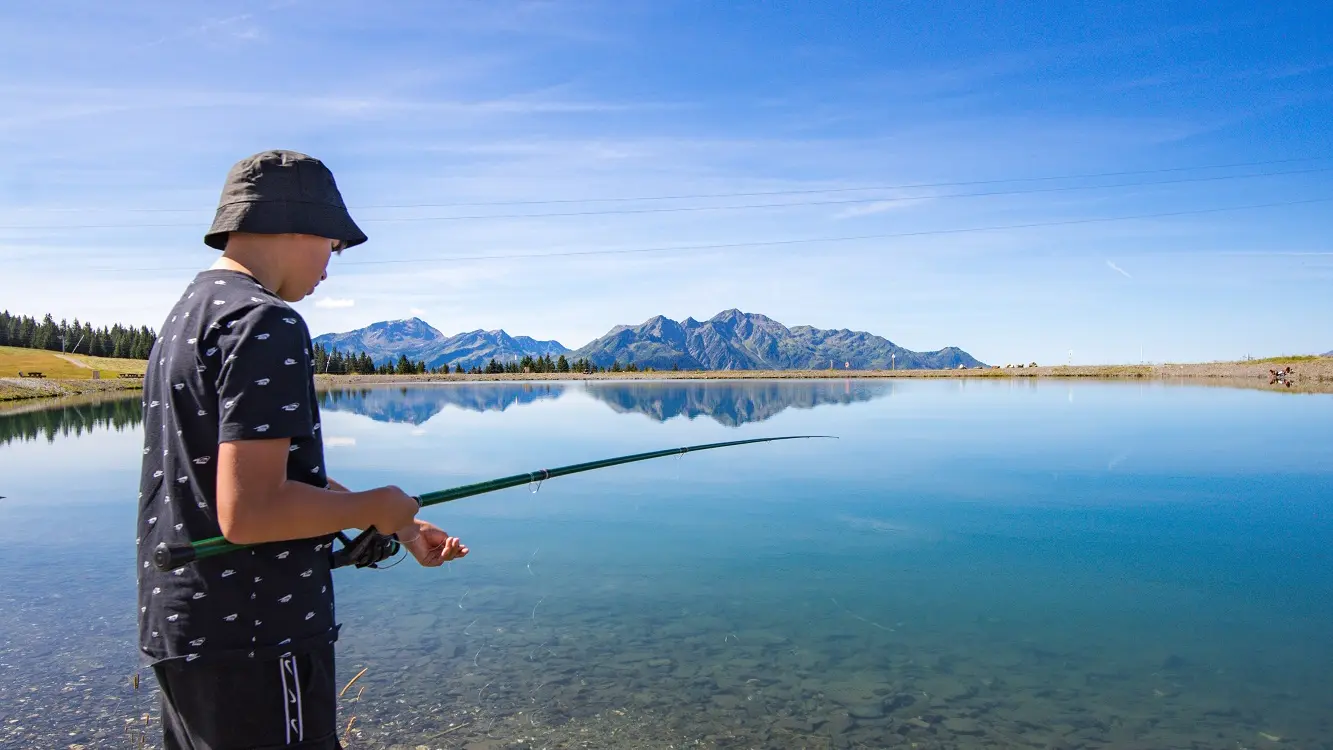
(308, 265)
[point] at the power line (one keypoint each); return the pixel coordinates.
(686, 209)
(776, 243)
(809, 191)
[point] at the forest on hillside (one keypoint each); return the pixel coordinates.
(127, 342)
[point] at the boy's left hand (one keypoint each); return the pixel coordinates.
(432, 546)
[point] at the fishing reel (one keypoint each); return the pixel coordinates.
(365, 551)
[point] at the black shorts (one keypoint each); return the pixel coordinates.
(232, 704)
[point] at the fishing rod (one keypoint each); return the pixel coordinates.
(369, 544)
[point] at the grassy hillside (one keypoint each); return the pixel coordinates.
(14, 360)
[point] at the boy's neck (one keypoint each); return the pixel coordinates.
(269, 278)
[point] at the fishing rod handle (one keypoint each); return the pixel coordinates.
(168, 557)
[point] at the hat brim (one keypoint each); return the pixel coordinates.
(284, 217)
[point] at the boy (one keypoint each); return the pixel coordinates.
(242, 643)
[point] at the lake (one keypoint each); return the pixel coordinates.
(1000, 563)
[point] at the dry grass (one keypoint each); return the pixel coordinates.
(112, 364)
(14, 360)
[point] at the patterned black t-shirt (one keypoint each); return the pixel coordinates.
(233, 362)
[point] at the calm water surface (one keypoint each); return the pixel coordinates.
(970, 564)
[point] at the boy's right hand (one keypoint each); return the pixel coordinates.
(393, 509)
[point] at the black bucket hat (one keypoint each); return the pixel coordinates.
(282, 192)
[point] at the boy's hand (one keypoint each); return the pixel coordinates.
(431, 546)
(394, 509)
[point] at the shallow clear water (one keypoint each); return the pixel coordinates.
(970, 564)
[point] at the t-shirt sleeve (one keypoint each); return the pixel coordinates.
(264, 382)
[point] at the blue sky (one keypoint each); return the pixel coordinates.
(121, 120)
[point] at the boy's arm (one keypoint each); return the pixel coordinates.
(257, 503)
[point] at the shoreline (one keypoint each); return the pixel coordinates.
(49, 390)
(1310, 375)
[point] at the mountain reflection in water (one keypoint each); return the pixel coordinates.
(729, 403)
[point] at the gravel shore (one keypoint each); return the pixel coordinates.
(1313, 375)
(45, 389)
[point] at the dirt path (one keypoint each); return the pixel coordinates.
(74, 361)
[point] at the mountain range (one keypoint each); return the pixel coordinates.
(420, 342)
(730, 340)
(734, 340)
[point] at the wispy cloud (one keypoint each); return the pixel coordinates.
(234, 26)
(1118, 269)
(879, 207)
(335, 303)
(417, 311)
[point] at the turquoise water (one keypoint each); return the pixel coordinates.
(970, 564)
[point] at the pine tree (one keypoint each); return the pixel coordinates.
(44, 335)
